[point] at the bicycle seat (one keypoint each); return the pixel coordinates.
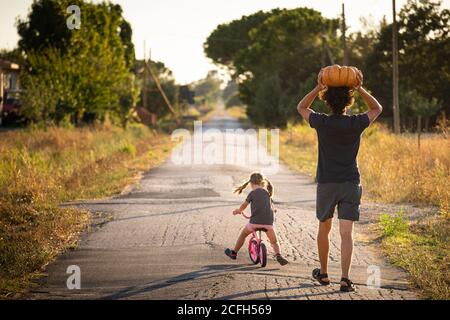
(261, 229)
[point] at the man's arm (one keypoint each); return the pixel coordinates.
(304, 105)
(374, 106)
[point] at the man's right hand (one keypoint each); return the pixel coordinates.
(360, 78)
(320, 84)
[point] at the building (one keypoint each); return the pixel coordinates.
(9, 86)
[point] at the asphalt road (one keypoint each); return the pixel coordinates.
(165, 240)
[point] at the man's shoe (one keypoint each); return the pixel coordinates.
(349, 287)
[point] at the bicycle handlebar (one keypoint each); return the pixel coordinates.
(248, 217)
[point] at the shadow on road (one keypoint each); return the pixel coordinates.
(190, 210)
(266, 291)
(206, 272)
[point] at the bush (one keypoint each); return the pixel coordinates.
(394, 224)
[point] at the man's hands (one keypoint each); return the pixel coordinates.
(374, 106)
(320, 84)
(360, 77)
(304, 105)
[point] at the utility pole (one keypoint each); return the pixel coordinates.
(161, 91)
(2, 86)
(147, 68)
(395, 102)
(144, 89)
(344, 40)
(326, 51)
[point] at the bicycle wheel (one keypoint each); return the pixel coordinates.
(263, 255)
(253, 251)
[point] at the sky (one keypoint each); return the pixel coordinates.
(175, 30)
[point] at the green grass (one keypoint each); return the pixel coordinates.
(395, 224)
(39, 169)
(422, 249)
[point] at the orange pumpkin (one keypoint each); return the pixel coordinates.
(337, 76)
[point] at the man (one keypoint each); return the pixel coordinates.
(338, 179)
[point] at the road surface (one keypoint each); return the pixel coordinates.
(165, 240)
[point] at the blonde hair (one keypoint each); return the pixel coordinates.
(257, 179)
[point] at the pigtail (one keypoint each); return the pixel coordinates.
(241, 188)
(269, 187)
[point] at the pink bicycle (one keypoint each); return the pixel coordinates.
(257, 250)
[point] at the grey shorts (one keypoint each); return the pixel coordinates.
(345, 195)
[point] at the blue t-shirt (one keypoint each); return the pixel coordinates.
(339, 138)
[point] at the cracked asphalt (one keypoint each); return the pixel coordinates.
(165, 240)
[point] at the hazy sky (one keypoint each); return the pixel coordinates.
(176, 29)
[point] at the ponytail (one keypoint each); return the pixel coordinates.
(269, 187)
(241, 188)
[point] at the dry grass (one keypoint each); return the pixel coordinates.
(394, 170)
(39, 169)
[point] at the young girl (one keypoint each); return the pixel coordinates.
(260, 199)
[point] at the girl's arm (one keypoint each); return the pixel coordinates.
(241, 208)
(272, 206)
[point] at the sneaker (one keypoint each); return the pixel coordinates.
(281, 260)
(231, 253)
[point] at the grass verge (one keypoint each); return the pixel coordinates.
(40, 169)
(422, 249)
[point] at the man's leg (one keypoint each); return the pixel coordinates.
(346, 231)
(323, 244)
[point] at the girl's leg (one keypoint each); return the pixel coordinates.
(273, 240)
(240, 241)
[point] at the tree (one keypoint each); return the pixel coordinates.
(415, 105)
(37, 33)
(86, 72)
(283, 51)
(208, 89)
(424, 48)
(230, 94)
(225, 43)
